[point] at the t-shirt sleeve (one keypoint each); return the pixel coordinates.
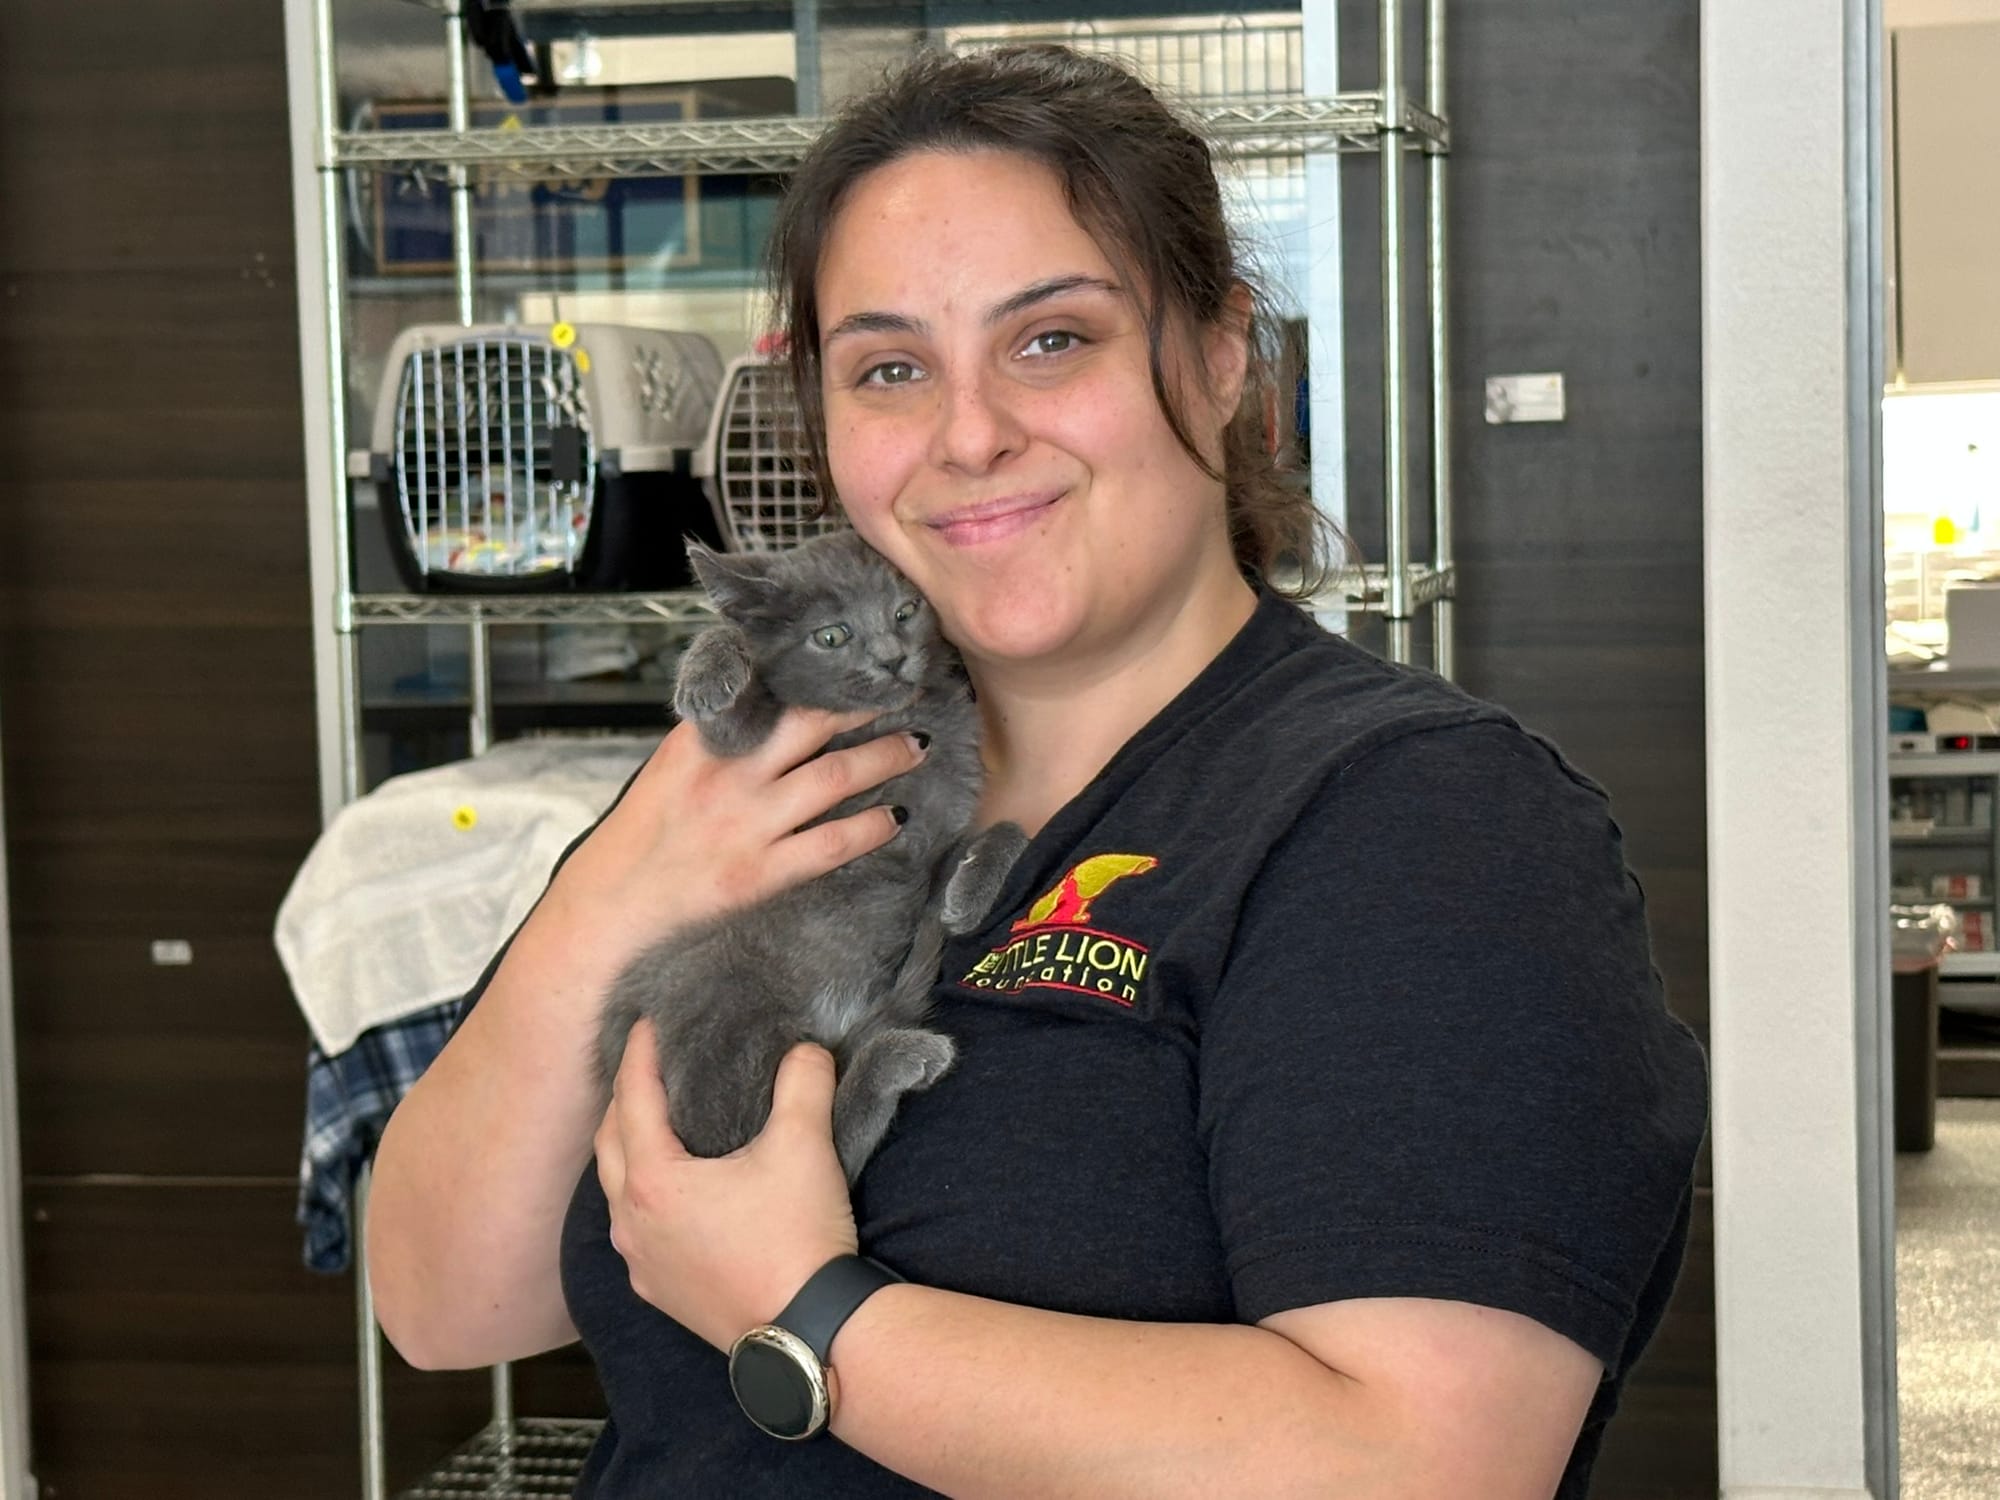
(1439, 1063)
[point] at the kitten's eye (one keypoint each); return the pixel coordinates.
(831, 636)
(906, 611)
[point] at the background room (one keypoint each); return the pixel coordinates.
(246, 589)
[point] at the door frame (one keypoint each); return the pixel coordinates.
(1793, 353)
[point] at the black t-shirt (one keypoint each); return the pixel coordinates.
(1332, 984)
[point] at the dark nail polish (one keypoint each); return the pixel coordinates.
(923, 740)
(900, 814)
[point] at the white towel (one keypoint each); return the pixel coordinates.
(411, 890)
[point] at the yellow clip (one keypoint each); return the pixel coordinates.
(562, 335)
(582, 357)
(1944, 531)
(464, 819)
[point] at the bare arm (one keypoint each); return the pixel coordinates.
(477, 1165)
(1362, 1399)
(1424, 1401)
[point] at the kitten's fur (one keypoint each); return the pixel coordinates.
(846, 960)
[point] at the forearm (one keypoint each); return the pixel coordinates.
(976, 1398)
(476, 1167)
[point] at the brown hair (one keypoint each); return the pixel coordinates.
(1140, 181)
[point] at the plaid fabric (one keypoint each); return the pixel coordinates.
(348, 1101)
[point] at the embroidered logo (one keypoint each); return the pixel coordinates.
(1053, 946)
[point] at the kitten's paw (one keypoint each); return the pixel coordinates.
(888, 1066)
(714, 672)
(975, 885)
(920, 1059)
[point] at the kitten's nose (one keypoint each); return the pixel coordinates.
(894, 667)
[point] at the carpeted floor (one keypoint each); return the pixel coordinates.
(1948, 1306)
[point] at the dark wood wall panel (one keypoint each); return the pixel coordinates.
(177, 1343)
(158, 138)
(182, 723)
(155, 666)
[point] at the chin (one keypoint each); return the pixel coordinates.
(1020, 629)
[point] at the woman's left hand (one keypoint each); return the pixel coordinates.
(720, 1244)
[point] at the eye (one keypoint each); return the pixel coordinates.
(906, 611)
(889, 372)
(1055, 341)
(831, 636)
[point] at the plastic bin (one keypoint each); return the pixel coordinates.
(1919, 938)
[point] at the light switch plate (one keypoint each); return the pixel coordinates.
(1524, 398)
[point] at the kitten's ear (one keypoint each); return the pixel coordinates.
(739, 582)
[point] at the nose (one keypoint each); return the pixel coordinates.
(976, 429)
(891, 664)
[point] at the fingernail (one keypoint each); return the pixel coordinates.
(900, 814)
(923, 741)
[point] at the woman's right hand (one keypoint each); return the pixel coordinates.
(698, 835)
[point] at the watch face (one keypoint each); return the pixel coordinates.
(773, 1388)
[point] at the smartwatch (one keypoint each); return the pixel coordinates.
(778, 1370)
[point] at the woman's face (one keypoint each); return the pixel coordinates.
(991, 422)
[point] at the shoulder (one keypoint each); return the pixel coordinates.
(1318, 721)
(1469, 816)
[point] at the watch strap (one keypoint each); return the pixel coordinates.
(829, 1297)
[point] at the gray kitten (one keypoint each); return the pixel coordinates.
(846, 960)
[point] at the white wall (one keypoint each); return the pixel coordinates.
(1800, 1209)
(1900, 13)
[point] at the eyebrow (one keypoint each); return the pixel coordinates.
(1007, 307)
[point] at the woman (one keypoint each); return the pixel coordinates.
(1245, 1183)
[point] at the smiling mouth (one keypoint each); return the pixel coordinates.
(992, 520)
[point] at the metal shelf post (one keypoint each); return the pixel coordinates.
(1437, 264)
(1395, 377)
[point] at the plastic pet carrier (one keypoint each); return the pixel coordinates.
(509, 459)
(754, 464)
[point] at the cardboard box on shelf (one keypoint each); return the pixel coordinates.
(1975, 932)
(1972, 625)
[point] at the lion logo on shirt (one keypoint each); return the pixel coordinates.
(1068, 905)
(1055, 947)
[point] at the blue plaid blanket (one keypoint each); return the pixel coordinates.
(348, 1101)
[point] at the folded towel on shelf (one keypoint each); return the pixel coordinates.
(412, 888)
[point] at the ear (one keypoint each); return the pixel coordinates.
(739, 583)
(1226, 351)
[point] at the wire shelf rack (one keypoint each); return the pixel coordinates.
(682, 607)
(1238, 59)
(535, 1456)
(1247, 127)
(1366, 591)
